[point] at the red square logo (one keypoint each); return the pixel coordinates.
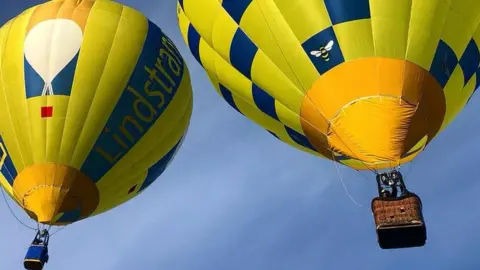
(47, 111)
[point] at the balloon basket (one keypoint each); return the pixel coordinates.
(399, 221)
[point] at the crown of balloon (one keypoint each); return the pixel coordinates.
(74, 2)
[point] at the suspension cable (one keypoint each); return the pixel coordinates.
(14, 215)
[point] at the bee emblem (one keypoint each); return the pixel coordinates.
(323, 52)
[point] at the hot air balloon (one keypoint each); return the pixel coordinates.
(95, 103)
(365, 83)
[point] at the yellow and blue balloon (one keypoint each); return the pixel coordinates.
(95, 101)
(367, 83)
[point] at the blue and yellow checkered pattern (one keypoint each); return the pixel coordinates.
(257, 53)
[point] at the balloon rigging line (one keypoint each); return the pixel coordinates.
(14, 215)
(345, 186)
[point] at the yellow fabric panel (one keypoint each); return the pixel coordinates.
(13, 88)
(476, 35)
(7, 124)
(122, 43)
(54, 126)
(156, 142)
(183, 23)
(266, 75)
(207, 55)
(231, 78)
(465, 94)
(254, 24)
(206, 12)
(297, 14)
(114, 195)
(457, 40)
(291, 48)
(222, 42)
(390, 26)
(355, 39)
(452, 91)
(468, 9)
(427, 21)
(289, 117)
(46, 135)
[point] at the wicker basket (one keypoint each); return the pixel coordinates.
(399, 221)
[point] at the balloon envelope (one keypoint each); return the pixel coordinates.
(95, 101)
(368, 83)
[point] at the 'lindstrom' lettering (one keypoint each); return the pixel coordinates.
(162, 78)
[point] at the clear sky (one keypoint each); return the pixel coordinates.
(236, 198)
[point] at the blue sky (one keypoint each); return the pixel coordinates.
(235, 198)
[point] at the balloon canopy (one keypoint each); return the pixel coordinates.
(95, 101)
(368, 83)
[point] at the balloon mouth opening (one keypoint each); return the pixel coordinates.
(55, 194)
(52, 205)
(380, 116)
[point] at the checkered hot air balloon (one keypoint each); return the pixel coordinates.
(366, 83)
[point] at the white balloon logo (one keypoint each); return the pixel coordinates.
(50, 46)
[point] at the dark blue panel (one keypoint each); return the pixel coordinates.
(153, 84)
(444, 62)
(61, 85)
(236, 8)
(33, 82)
(158, 168)
(470, 61)
(8, 169)
(70, 217)
(340, 158)
(299, 138)
(347, 10)
(181, 3)
(194, 42)
(315, 43)
(242, 53)
(227, 95)
(264, 101)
